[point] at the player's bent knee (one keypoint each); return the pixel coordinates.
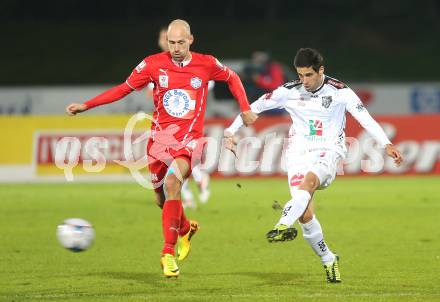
(309, 185)
(172, 184)
(310, 182)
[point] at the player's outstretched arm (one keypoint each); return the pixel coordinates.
(238, 122)
(219, 72)
(358, 111)
(75, 108)
(237, 90)
(109, 96)
(266, 102)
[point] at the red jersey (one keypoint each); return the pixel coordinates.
(180, 91)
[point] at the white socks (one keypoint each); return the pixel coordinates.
(295, 207)
(197, 174)
(312, 232)
(187, 196)
(186, 191)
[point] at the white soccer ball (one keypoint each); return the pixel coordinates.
(76, 234)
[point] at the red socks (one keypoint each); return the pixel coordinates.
(174, 223)
(184, 224)
(171, 213)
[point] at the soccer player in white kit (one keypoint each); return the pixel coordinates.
(317, 106)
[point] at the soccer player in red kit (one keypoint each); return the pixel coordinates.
(180, 80)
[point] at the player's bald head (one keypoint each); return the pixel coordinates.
(179, 26)
(179, 40)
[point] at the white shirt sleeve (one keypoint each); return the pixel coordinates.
(357, 110)
(268, 101)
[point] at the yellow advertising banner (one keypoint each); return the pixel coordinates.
(32, 140)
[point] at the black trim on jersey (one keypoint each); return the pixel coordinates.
(334, 82)
(290, 85)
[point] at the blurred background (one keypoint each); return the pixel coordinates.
(57, 52)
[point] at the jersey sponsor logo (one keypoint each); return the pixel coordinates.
(326, 101)
(196, 82)
(296, 180)
(163, 81)
(178, 103)
(140, 66)
(315, 127)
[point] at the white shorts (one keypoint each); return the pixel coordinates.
(321, 162)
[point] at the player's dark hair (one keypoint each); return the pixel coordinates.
(308, 57)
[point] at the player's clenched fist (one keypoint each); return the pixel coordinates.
(249, 117)
(75, 108)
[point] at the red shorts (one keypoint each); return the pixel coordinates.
(161, 156)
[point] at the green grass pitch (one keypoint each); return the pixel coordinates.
(386, 230)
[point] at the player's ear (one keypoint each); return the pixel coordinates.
(191, 39)
(321, 70)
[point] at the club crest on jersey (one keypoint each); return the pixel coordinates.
(163, 81)
(196, 82)
(178, 103)
(326, 101)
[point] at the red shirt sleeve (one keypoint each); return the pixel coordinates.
(141, 75)
(219, 72)
(109, 96)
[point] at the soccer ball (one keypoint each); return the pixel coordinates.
(76, 234)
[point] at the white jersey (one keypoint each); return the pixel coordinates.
(318, 117)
